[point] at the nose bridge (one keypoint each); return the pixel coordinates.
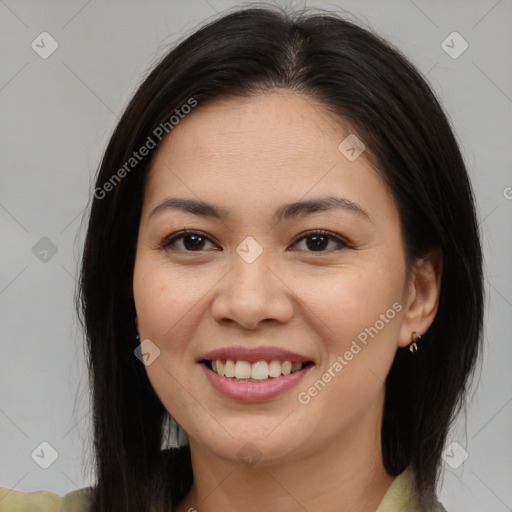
(252, 293)
(251, 272)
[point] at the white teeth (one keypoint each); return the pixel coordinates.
(260, 370)
(242, 370)
(229, 368)
(274, 369)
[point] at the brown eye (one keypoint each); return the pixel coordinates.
(188, 242)
(319, 241)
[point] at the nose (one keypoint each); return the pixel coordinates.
(252, 293)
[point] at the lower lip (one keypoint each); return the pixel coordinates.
(253, 391)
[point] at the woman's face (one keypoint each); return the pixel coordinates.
(293, 255)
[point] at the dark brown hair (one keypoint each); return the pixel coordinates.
(361, 78)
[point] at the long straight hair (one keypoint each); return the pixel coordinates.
(362, 79)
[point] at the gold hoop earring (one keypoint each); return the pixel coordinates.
(414, 338)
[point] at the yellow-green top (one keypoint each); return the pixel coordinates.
(43, 501)
(400, 496)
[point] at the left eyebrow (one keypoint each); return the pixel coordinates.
(299, 208)
(287, 211)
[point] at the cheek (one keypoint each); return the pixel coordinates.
(349, 301)
(167, 298)
(356, 312)
(357, 315)
(169, 303)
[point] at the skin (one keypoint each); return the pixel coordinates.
(250, 156)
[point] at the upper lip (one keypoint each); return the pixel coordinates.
(252, 355)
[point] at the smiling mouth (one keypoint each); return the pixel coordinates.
(259, 371)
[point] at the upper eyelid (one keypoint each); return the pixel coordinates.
(324, 232)
(167, 240)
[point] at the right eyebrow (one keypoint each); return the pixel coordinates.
(195, 206)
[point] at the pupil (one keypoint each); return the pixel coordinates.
(193, 241)
(317, 242)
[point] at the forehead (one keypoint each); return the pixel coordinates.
(263, 129)
(275, 144)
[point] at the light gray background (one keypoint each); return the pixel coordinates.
(57, 114)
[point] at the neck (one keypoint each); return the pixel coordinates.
(348, 475)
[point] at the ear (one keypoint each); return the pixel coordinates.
(422, 296)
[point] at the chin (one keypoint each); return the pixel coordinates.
(251, 450)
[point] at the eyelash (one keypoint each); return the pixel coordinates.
(166, 242)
